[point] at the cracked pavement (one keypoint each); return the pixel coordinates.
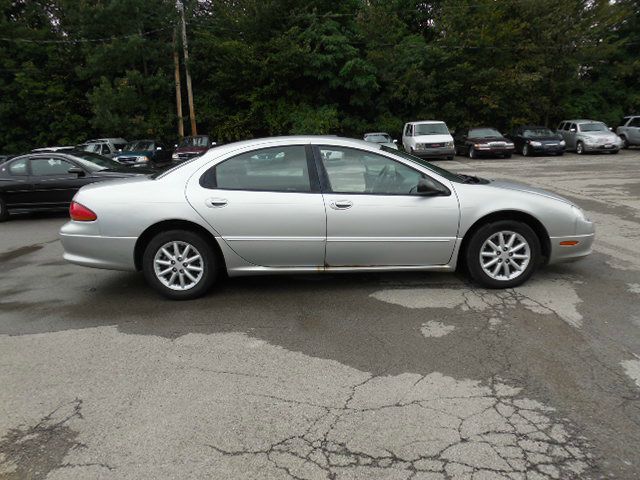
(390, 376)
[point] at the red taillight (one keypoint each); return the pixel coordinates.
(80, 213)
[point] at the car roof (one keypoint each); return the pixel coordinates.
(376, 133)
(425, 121)
(582, 120)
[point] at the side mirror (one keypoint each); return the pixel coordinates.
(428, 188)
(395, 141)
(158, 148)
(611, 129)
(175, 145)
(77, 171)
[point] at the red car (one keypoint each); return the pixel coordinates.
(191, 147)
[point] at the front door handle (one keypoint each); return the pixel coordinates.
(341, 204)
(216, 202)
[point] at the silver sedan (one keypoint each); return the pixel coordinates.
(318, 204)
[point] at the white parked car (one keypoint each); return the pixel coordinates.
(381, 138)
(428, 139)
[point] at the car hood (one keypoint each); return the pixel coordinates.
(488, 139)
(122, 172)
(526, 188)
(543, 139)
(191, 149)
(133, 153)
(603, 135)
(441, 138)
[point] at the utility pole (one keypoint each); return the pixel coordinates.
(192, 113)
(176, 64)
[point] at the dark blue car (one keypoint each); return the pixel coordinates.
(144, 152)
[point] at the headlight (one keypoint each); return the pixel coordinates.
(533, 143)
(175, 156)
(579, 213)
(509, 144)
(562, 143)
(419, 146)
(143, 159)
(448, 144)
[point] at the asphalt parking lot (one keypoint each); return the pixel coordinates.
(391, 376)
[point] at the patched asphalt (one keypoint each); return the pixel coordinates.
(373, 376)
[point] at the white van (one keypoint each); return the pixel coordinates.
(428, 139)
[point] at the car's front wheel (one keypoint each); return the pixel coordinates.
(525, 150)
(180, 264)
(4, 213)
(579, 148)
(503, 254)
(625, 142)
(472, 153)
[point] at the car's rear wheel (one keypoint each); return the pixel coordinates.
(4, 213)
(579, 148)
(503, 254)
(180, 264)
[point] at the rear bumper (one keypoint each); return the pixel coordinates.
(97, 251)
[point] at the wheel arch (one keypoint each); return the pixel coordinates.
(165, 225)
(516, 215)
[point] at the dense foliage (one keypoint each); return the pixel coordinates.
(74, 69)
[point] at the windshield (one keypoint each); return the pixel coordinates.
(484, 133)
(201, 142)
(440, 171)
(378, 138)
(538, 133)
(138, 146)
(92, 147)
(430, 129)
(593, 127)
(95, 162)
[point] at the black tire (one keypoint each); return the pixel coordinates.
(525, 150)
(450, 157)
(472, 253)
(625, 142)
(4, 213)
(580, 148)
(615, 152)
(210, 264)
(507, 155)
(472, 153)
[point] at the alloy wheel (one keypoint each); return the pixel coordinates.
(505, 255)
(178, 265)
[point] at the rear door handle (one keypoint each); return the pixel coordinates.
(216, 202)
(341, 204)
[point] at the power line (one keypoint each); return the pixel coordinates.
(86, 40)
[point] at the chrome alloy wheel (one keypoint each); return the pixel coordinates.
(178, 265)
(505, 255)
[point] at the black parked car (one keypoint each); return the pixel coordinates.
(532, 140)
(49, 180)
(482, 141)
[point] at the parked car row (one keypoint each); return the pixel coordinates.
(433, 139)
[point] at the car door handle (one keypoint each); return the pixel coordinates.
(216, 202)
(341, 204)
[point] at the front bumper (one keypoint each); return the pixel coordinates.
(84, 246)
(573, 247)
(434, 152)
(547, 149)
(493, 151)
(613, 147)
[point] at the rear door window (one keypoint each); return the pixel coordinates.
(276, 169)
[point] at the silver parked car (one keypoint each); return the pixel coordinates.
(317, 204)
(629, 131)
(381, 138)
(589, 136)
